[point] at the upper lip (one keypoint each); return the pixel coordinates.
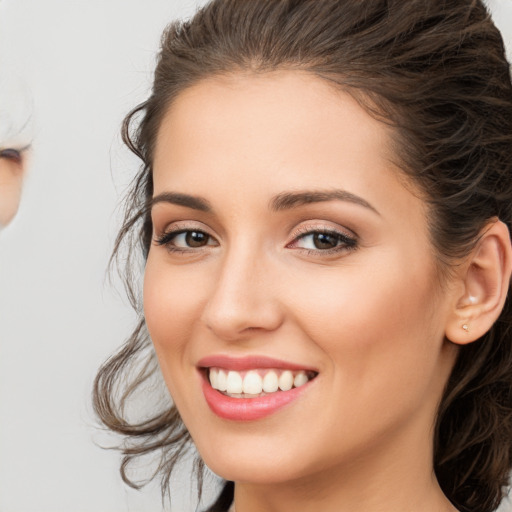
(249, 363)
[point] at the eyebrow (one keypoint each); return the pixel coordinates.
(288, 200)
(194, 202)
(283, 201)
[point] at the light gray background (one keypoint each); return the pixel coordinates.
(87, 62)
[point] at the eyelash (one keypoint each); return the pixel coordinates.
(166, 238)
(11, 154)
(344, 242)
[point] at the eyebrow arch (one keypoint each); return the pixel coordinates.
(288, 200)
(194, 202)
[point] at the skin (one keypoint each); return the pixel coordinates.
(11, 180)
(371, 319)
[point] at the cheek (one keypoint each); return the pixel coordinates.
(376, 327)
(172, 302)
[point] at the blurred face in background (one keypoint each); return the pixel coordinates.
(12, 166)
(15, 136)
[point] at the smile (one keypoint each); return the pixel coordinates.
(251, 388)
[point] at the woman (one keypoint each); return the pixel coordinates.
(324, 211)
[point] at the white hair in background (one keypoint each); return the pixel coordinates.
(16, 108)
(15, 138)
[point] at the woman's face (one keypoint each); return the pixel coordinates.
(288, 252)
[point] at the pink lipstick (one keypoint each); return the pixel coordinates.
(251, 388)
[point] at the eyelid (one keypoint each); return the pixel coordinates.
(172, 235)
(181, 225)
(12, 154)
(164, 236)
(349, 240)
(310, 227)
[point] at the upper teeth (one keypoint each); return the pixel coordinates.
(254, 382)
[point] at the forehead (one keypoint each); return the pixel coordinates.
(267, 120)
(260, 135)
(240, 142)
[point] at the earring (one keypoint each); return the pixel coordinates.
(466, 327)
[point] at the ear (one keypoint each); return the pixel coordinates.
(485, 279)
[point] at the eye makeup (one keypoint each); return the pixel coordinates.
(314, 241)
(13, 154)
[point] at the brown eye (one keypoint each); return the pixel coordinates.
(186, 239)
(325, 241)
(196, 238)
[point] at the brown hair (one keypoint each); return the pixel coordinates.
(433, 69)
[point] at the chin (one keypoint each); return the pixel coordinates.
(258, 458)
(254, 470)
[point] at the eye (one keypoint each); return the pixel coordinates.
(11, 154)
(191, 239)
(324, 241)
(185, 239)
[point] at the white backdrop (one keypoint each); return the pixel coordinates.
(87, 62)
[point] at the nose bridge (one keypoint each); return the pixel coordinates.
(243, 298)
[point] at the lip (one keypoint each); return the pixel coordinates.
(250, 363)
(248, 409)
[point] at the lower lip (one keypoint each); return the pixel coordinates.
(248, 409)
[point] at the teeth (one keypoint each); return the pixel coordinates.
(286, 381)
(222, 381)
(256, 382)
(270, 382)
(300, 379)
(214, 378)
(234, 382)
(253, 383)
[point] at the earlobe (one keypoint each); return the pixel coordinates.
(486, 282)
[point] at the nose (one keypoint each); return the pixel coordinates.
(244, 300)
